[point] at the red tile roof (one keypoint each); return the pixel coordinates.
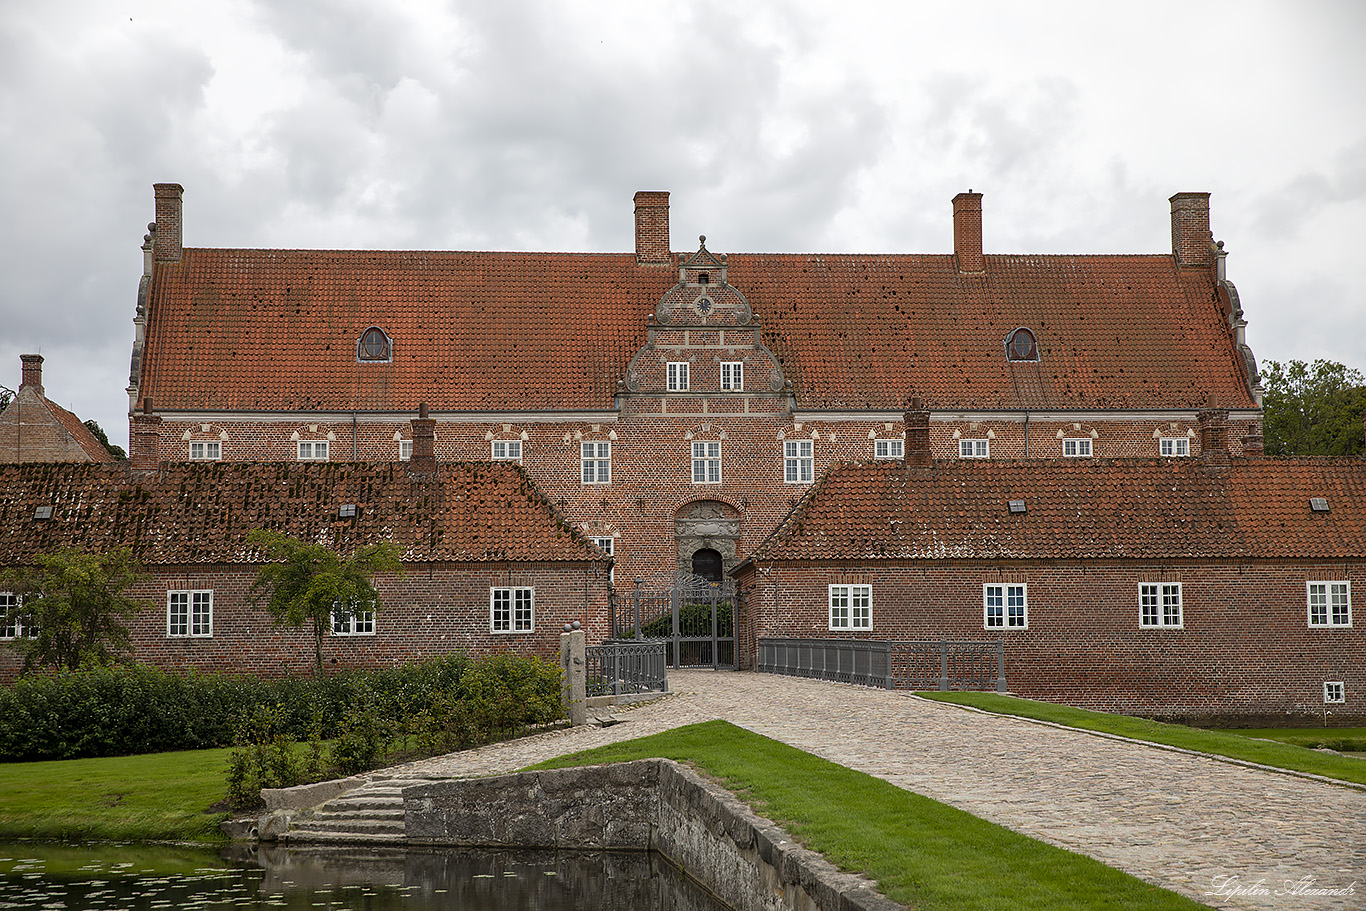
(202, 512)
(1146, 509)
(79, 432)
(275, 330)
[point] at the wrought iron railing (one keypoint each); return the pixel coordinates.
(617, 668)
(917, 665)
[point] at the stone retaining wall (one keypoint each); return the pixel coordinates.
(650, 804)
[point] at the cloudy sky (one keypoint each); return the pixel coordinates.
(777, 126)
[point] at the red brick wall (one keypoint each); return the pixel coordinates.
(1245, 648)
(29, 432)
(428, 612)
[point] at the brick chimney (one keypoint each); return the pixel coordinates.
(1254, 445)
(144, 439)
(424, 442)
(166, 239)
(967, 232)
(32, 376)
(1213, 423)
(652, 227)
(917, 451)
(1192, 242)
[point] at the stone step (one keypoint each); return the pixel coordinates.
(364, 802)
(340, 814)
(295, 837)
(360, 826)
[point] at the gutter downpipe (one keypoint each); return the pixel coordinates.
(1026, 411)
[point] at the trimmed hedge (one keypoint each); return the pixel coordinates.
(134, 708)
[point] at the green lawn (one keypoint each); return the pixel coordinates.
(922, 853)
(1350, 739)
(1221, 743)
(156, 797)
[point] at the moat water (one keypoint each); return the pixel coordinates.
(100, 877)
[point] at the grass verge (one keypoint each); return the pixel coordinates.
(1220, 743)
(154, 797)
(1351, 739)
(922, 853)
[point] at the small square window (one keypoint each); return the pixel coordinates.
(349, 621)
(506, 450)
(512, 610)
(974, 449)
(189, 614)
(1077, 447)
(596, 463)
(405, 450)
(1175, 447)
(42, 512)
(1330, 603)
(1005, 606)
(313, 450)
(799, 466)
(851, 607)
(888, 449)
(732, 376)
(678, 376)
(1159, 605)
(1334, 691)
(206, 451)
(706, 462)
(1318, 504)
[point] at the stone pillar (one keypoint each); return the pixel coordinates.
(574, 663)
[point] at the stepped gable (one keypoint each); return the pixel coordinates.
(1075, 509)
(202, 512)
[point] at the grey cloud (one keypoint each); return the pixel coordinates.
(1284, 211)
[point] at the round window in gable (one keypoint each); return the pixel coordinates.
(374, 345)
(1020, 346)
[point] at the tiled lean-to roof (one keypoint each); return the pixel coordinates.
(276, 330)
(79, 433)
(1146, 509)
(202, 512)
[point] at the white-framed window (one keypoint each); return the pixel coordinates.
(18, 626)
(512, 610)
(1159, 605)
(189, 614)
(349, 621)
(607, 544)
(405, 450)
(974, 449)
(851, 607)
(206, 450)
(732, 376)
(506, 450)
(1330, 603)
(596, 463)
(1174, 447)
(678, 376)
(1076, 447)
(888, 449)
(1005, 606)
(316, 451)
(1334, 691)
(706, 462)
(799, 466)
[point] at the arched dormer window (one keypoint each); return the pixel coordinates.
(374, 346)
(1021, 346)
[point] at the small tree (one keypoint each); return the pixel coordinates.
(305, 582)
(74, 607)
(1313, 409)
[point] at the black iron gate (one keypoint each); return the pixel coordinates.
(694, 617)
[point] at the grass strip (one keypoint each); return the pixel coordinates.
(922, 853)
(1220, 743)
(153, 797)
(1350, 739)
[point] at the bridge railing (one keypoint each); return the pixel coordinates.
(619, 668)
(906, 665)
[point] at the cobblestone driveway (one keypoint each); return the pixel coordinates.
(1184, 822)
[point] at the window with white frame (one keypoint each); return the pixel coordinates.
(189, 614)
(1330, 603)
(732, 376)
(14, 624)
(512, 610)
(352, 620)
(678, 376)
(607, 545)
(1334, 691)
(888, 449)
(974, 449)
(799, 466)
(206, 450)
(851, 607)
(706, 462)
(596, 463)
(1175, 447)
(1159, 604)
(1077, 447)
(405, 450)
(1005, 606)
(313, 450)
(506, 450)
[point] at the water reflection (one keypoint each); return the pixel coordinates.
(99, 877)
